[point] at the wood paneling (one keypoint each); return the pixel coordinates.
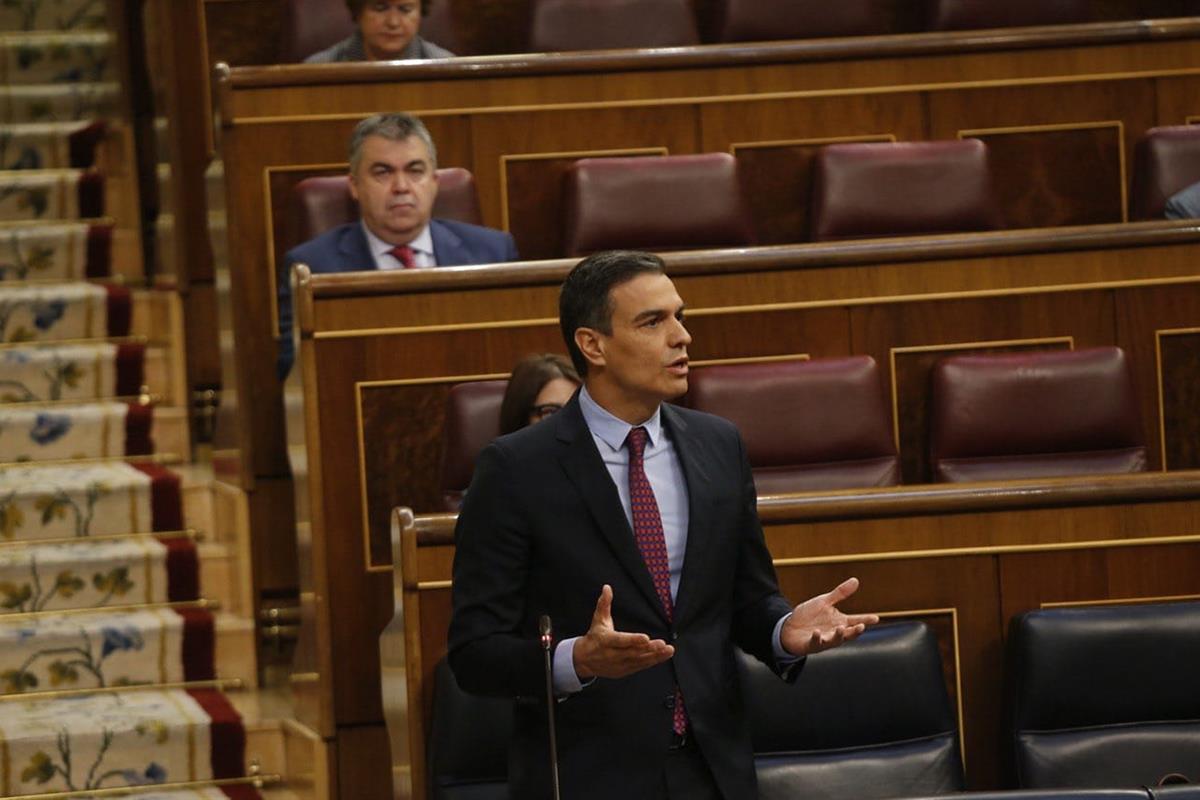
(1043, 177)
(1179, 383)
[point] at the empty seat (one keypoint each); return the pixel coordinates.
(468, 742)
(902, 189)
(808, 425)
(310, 26)
(763, 20)
(1166, 161)
(947, 15)
(472, 420)
(324, 202)
(604, 24)
(868, 720)
(655, 203)
(437, 26)
(1105, 696)
(1033, 415)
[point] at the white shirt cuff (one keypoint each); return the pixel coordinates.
(565, 680)
(782, 657)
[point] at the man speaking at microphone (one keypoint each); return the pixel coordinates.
(632, 524)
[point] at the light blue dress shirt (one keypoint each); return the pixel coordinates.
(666, 477)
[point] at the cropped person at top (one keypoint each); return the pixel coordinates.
(393, 176)
(539, 386)
(387, 30)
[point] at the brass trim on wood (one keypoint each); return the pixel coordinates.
(821, 140)
(1160, 384)
(576, 154)
(1121, 601)
(1069, 126)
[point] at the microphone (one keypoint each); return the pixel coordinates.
(547, 641)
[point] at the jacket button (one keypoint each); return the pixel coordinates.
(669, 702)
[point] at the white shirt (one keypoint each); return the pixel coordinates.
(422, 248)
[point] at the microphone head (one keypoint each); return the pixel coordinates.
(544, 625)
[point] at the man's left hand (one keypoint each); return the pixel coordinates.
(817, 624)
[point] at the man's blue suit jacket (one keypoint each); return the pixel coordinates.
(345, 249)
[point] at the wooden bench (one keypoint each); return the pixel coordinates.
(964, 558)
(379, 351)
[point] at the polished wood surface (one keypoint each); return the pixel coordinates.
(1085, 92)
(378, 351)
(963, 558)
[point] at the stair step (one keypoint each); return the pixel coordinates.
(117, 739)
(55, 251)
(50, 145)
(63, 312)
(31, 432)
(63, 15)
(51, 194)
(86, 371)
(58, 102)
(55, 57)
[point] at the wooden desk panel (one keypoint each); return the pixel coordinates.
(965, 559)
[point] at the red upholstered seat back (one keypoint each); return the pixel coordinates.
(902, 189)
(437, 26)
(325, 202)
(1167, 160)
(1032, 415)
(472, 420)
(310, 26)
(606, 24)
(967, 14)
(767, 20)
(807, 425)
(655, 203)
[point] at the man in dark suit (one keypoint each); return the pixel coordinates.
(651, 509)
(393, 176)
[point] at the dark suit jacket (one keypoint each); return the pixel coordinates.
(345, 249)
(541, 530)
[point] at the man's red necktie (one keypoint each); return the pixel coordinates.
(648, 533)
(404, 254)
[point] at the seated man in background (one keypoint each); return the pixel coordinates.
(393, 176)
(387, 31)
(1184, 204)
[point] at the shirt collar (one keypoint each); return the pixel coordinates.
(610, 429)
(379, 248)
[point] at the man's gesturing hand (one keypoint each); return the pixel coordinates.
(605, 652)
(817, 624)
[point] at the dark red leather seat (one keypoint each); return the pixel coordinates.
(655, 203)
(325, 202)
(902, 189)
(437, 26)
(606, 24)
(1166, 161)
(768, 20)
(808, 425)
(310, 26)
(472, 421)
(945, 15)
(1034, 415)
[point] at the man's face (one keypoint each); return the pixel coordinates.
(395, 185)
(387, 26)
(645, 357)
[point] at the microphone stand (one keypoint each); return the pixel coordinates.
(547, 640)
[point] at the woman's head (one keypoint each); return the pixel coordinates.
(539, 386)
(387, 26)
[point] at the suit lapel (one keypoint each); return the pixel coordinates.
(696, 463)
(448, 248)
(356, 253)
(584, 467)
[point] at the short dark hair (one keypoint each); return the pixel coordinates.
(356, 7)
(395, 127)
(529, 375)
(585, 300)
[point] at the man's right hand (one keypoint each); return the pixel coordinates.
(605, 652)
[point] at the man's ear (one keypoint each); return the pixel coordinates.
(354, 187)
(591, 343)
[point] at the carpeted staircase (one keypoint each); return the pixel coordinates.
(127, 646)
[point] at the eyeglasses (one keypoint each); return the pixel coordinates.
(544, 410)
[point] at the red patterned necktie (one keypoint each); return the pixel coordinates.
(648, 533)
(404, 254)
